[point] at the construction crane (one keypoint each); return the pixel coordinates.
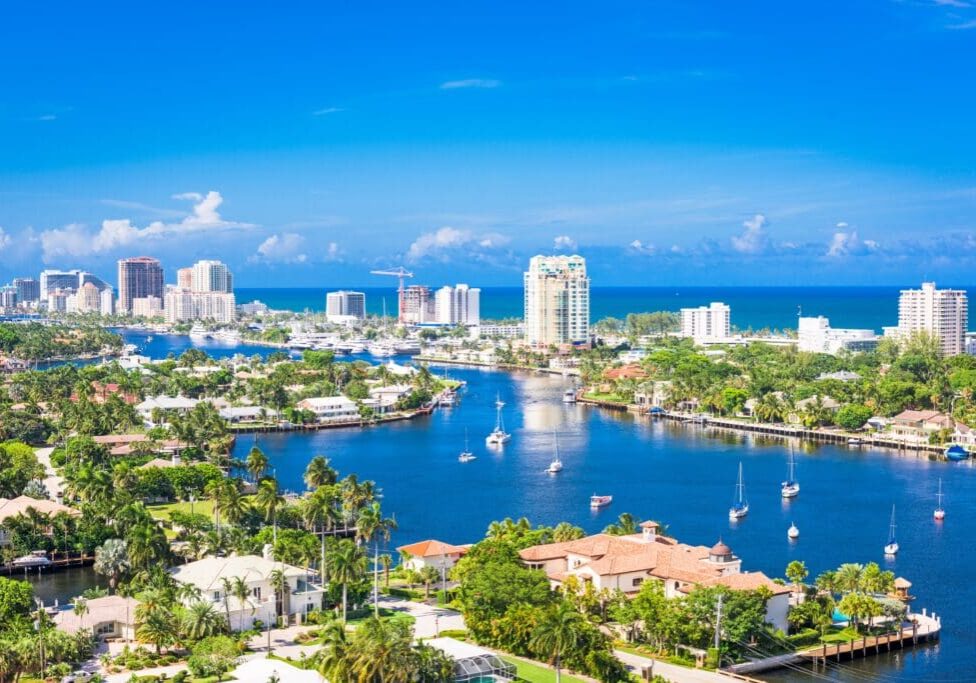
(400, 272)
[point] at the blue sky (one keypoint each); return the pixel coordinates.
(668, 142)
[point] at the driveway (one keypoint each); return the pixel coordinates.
(52, 482)
(672, 672)
(429, 620)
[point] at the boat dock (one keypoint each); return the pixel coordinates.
(56, 564)
(923, 628)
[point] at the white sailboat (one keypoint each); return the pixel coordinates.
(793, 533)
(791, 487)
(740, 506)
(939, 513)
(498, 435)
(556, 465)
(891, 549)
(466, 455)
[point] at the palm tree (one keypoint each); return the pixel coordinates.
(279, 582)
(333, 658)
(156, 626)
(319, 472)
(81, 609)
(321, 509)
(200, 620)
(257, 463)
(147, 545)
(228, 588)
(559, 632)
(346, 565)
(626, 525)
(849, 577)
(371, 525)
(269, 501)
(242, 592)
(428, 575)
(112, 560)
(386, 561)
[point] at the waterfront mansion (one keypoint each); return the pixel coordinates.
(625, 562)
(215, 577)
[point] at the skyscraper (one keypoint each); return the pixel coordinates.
(52, 280)
(211, 276)
(417, 305)
(458, 305)
(345, 303)
(139, 277)
(28, 289)
(943, 313)
(557, 301)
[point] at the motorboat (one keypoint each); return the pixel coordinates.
(791, 487)
(939, 513)
(891, 548)
(793, 533)
(381, 350)
(498, 435)
(198, 331)
(569, 396)
(956, 453)
(447, 399)
(37, 558)
(466, 455)
(556, 465)
(740, 506)
(854, 441)
(600, 501)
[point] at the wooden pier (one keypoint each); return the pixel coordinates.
(56, 565)
(921, 629)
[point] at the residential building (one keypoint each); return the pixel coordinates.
(330, 408)
(177, 404)
(345, 303)
(28, 290)
(253, 308)
(183, 305)
(706, 323)
(52, 280)
(106, 302)
(146, 307)
(111, 616)
(211, 276)
(458, 305)
(557, 301)
(13, 507)
(302, 595)
(417, 305)
(8, 297)
(625, 562)
(943, 313)
(501, 331)
(916, 426)
(57, 300)
(817, 336)
(184, 278)
(88, 299)
(437, 554)
(139, 277)
(267, 669)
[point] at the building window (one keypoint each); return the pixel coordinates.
(636, 582)
(256, 592)
(105, 629)
(216, 596)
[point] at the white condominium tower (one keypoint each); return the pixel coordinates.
(210, 276)
(706, 323)
(458, 305)
(943, 313)
(345, 303)
(557, 301)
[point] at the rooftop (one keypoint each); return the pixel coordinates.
(431, 548)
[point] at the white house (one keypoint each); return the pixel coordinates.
(431, 553)
(304, 592)
(111, 616)
(330, 408)
(263, 669)
(176, 404)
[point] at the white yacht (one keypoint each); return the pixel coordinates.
(740, 506)
(198, 331)
(381, 350)
(793, 533)
(498, 435)
(569, 396)
(37, 558)
(556, 465)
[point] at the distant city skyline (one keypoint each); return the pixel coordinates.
(679, 144)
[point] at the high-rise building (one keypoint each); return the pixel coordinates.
(66, 280)
(57, 300)
(211, 276)
(106, 303)
(345, 303)
(417, 305)
(139, 277)
(88, 298)
(557, 301)
(8, 297)
(706, 323)
(147, 307)
(458, 305)
(182, 305)
(943, 313)
(184, 278)
(28, 290)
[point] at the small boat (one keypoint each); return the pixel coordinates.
(600, 501)
(447, 399)
(498, 436)
(569, 396)
(37, 558)
(556, 465)
(853, 441)
(791, 487)
(466, 455)
(956, 453)
(198, 331)
(740, 506)
(891, 549)
(939, 513)
(793, 533)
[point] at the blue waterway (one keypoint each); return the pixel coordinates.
(756, 307)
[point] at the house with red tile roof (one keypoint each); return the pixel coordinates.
(431, 553)
(625, 562)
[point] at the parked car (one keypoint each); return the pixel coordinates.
(77, 677)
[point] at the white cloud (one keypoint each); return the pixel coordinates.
(471, 83)
(641, 248)
(76, 240)
(964, 26)
(4, 239)
(846, 243)
(441, 243)
(288, 247)
(952, 3)
(333, 252)
(326, 111)
(754, 239)
(564, 243)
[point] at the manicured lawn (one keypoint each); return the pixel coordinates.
(609, 398)
(533, 673)
(201, 507)
(384, 615)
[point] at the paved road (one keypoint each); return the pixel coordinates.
(672, 672)
(52, 482)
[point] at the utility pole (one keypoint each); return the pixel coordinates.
(718, 623)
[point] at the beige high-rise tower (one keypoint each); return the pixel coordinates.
(943, 313)
(557, 301)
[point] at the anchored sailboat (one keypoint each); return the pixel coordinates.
(556, 465)
(740, 506)
(939, 513)
(891, 549)
(498, 436)
(466, 455)
(791, 487)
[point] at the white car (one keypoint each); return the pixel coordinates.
(77, 677)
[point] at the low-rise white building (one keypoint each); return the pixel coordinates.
(431, 553)
(330, 408)
(815, 335)
(303, 594)
(111, 616)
